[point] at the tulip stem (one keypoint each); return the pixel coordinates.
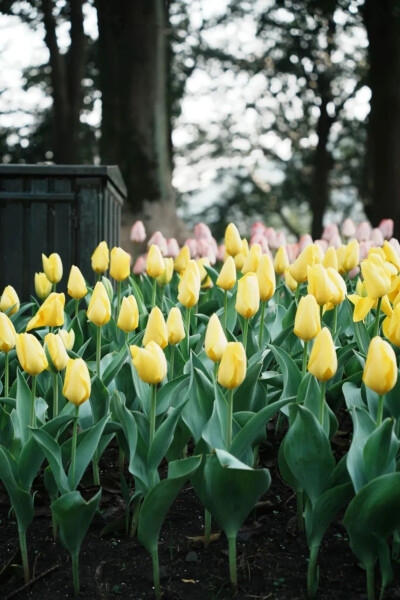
(75, 573)
(225, 309)
(55, 394)
(33, 415)
(380, 410)
(245, 332)
(207, 527)
(334, 323)
(171, 363)
(321, 312)
(312, 580)
(76, 307)
(24, 553)
(378, 313)
(261, 332)
(156, 574)
(118, 298)
(98, 350)
(232, 560)
(322, 403)
(370, 582)
(305, 359)
(230, 418)
(300, 510)
(73, 446)
(153, 407)
(154, 293)
(6, 374)
(135, 517)
(188, 312)
(297, 294)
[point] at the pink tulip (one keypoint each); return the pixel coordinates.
(202, 232)
(364, 248)
(322, 244)
(172, 247)
(257, 227)
(363, 231)
(221, 252)
(260, 239)
(305, 240)
(329, 232)
(348, 228)
(206, 250)
(386, 227)
(140, 264)
(293, 250)
(280, 240)
(377, 237)
(271, 234)
(138, 232)
(192, 245)
(354, 272)
(158, 240)
(335, 241)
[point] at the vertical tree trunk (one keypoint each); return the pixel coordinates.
(382, 21)
(135, 129)
(322, 165)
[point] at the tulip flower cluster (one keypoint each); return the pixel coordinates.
(187, 356)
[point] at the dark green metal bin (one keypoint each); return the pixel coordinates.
(55, 208)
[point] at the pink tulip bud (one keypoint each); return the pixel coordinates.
(202, 232)
(335, 241)
(280, 240)
(293, 250)
(270, 234)
(377, 237)
(323, 244)
(206, 250)
(257, 227)
(191, 243)
(364, 248)
(158, 240)
(363, 232)
(354, 272)
(140, 264)
(305, 240)
(138, 232)
(221, 252)
(348, 228)
(260, 239)
(172, 247)
(329, 232)
(386, 227)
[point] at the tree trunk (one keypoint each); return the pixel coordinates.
(322, 166)
(382, 21)
(133, 83)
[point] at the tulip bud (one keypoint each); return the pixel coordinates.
(233, 243)
(156, 329)
(101, 258)
(227, 276)
(351, 256)
(138, 232)
(155, 265)
(241, 256)
(150, 362)
(56, 349)
(175, 326)
(307, 322)
(339, 289)
(252, 260)
(289, 281)
(391, 255)
(52, 266)
(215, 341)
(166, 275)
(248, 296)
(323, 360)
(128, 318)
(9, 302)
(30, 354)
(120, 265)
(390, 326)
(77, 381)
(68, 338)
(376, 277)
(42, 285)
(189, 285)
(319, 284)
(50, 313)
(99, 309)
(76, 285)
(205, 279)
(308, 257)
(380, 371)
(281, 261)
(7, 333)
(181, 261)
(330, 259)
(232, 368)
(266, 278)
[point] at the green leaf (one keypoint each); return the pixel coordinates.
(171, 394)
(163, 438)
(52, 452)
(290, 371)
(352, 395)
(21, 500)
(160, 498)
(74, 515)
(86, 449)
(127, 421)
(244, 394)
(215, 430)
(115, 366)
(380, 450)
(99, 399)
(198, 409)
(363, 426)
(320, 516)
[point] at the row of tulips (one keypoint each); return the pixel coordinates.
(137, 366)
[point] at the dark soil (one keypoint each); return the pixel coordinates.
(272, 557)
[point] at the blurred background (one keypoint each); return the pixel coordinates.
(284, 111)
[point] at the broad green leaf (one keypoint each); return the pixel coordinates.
(320, 516)
(171, 394)
(243, 396)
(86, 450)
(198, 409)
(363, 427)
(21, 500)
(380, 450)
(52, 452)
(290, 371)
(352, 395)
(215, 430)
(127, 421)
(114, 367)
(163, 438)
(99, 399)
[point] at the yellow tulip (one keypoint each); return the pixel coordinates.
(307, 322)
(330, 259)
(227, 276)
(233, 243)
(181, 261)
(340, 254)
(77, 381)
(281, 260)
(241, 256)
(7, 333)
(128, 318)
(323, 360)
(338, 287)
(56, 350)
(156, 329)
(68, 338)
(155, 265)
(248, 296)
(320, 284)
(9, 302)
(31, 354)
(390, 326)
(289, 281)
(52, 266)
(351, 256)
(120, 265)
(76, 285)
(308, 257)
(42, 285)
(101, 258)
(166, 275)
(175, 326)
(189, 285)
(150, 362)
(50, 313)
(215, 341)
(376, 277)
(266, 278)
(252, 260)
(204, 276)
(232, 368)
(391, 255)
(99, 309)
(380, 371)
